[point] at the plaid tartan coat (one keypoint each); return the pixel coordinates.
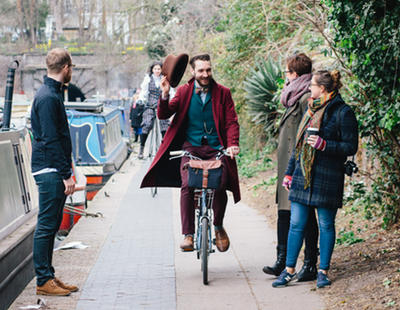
(341, 135)
(166, 173)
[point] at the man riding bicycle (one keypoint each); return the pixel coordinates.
(204, 122)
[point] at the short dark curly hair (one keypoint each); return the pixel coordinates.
(299, 63)
(203, 57)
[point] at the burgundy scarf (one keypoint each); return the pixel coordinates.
(294, 90)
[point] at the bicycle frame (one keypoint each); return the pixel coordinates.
(155, 141)
(155, 137)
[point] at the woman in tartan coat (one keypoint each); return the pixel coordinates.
(315, 173)
(150, 92)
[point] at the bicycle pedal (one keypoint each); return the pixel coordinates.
(187, 250)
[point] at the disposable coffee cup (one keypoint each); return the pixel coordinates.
(311, 131)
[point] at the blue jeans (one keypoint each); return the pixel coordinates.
(298, 221)
(51, 205)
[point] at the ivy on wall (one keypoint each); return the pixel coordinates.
(367, 35)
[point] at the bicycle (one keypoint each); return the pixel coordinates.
(154, 144)
(204, 185)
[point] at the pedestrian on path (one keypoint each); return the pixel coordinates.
(294, 98)
(204, 121)
(150, 92)
(327, 134)
(51, 168)
(135, 115)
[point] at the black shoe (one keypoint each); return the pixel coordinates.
(307, 273)
(280, 263)
(276, 269)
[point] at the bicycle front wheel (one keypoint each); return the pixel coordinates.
(204, 249)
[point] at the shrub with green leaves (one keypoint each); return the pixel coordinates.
(262, 87)
(367, 34)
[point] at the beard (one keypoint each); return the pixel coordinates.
(67, 78)
(203, 81)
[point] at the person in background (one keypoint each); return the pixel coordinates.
(150, 92)
(315, 173)
(74, 93)
(51, 168)
(135, 115)
(294, 98)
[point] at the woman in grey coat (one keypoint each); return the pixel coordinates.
(294, 98)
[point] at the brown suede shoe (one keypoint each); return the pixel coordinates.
(52, 289)
(71, 288)
(187, 244)
(221, 240)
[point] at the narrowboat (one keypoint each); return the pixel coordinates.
(97, 144)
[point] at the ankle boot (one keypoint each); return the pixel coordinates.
(309, 270)
(140, 156)
(280, 263)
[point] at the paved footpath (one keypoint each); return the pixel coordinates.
(133, 259)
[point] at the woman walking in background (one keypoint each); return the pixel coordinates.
(315, 173)
(294, 98)
(149, 95)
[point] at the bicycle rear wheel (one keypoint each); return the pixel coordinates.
(204, 249)
(153, 191)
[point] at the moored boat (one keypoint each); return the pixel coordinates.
(97, 144)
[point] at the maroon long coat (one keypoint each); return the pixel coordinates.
(164, 172)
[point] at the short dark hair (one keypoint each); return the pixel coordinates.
(57, 58)
(203, 57)
(299, 63)
(330, 80)
(153, 64)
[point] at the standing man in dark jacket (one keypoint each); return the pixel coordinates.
(51, 168)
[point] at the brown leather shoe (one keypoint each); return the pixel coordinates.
(187, 244)
(221, 240)
(52, 289)
(71, 288)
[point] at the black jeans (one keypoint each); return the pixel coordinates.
(51, 205)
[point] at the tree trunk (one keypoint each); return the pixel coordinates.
(58, 17)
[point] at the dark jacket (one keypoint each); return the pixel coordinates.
(327, 182)
(51, 146)
(165, 172)
(135, 115)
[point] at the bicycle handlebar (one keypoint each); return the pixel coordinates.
(176, 153)
(181, 153)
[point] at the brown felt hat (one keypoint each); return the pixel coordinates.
(174, 67)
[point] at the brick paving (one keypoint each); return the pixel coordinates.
(135, 269)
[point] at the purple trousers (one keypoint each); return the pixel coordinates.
(187, 194)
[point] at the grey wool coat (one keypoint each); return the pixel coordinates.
(286, 140)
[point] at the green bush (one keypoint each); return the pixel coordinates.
(367, 34)
(262, 88)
